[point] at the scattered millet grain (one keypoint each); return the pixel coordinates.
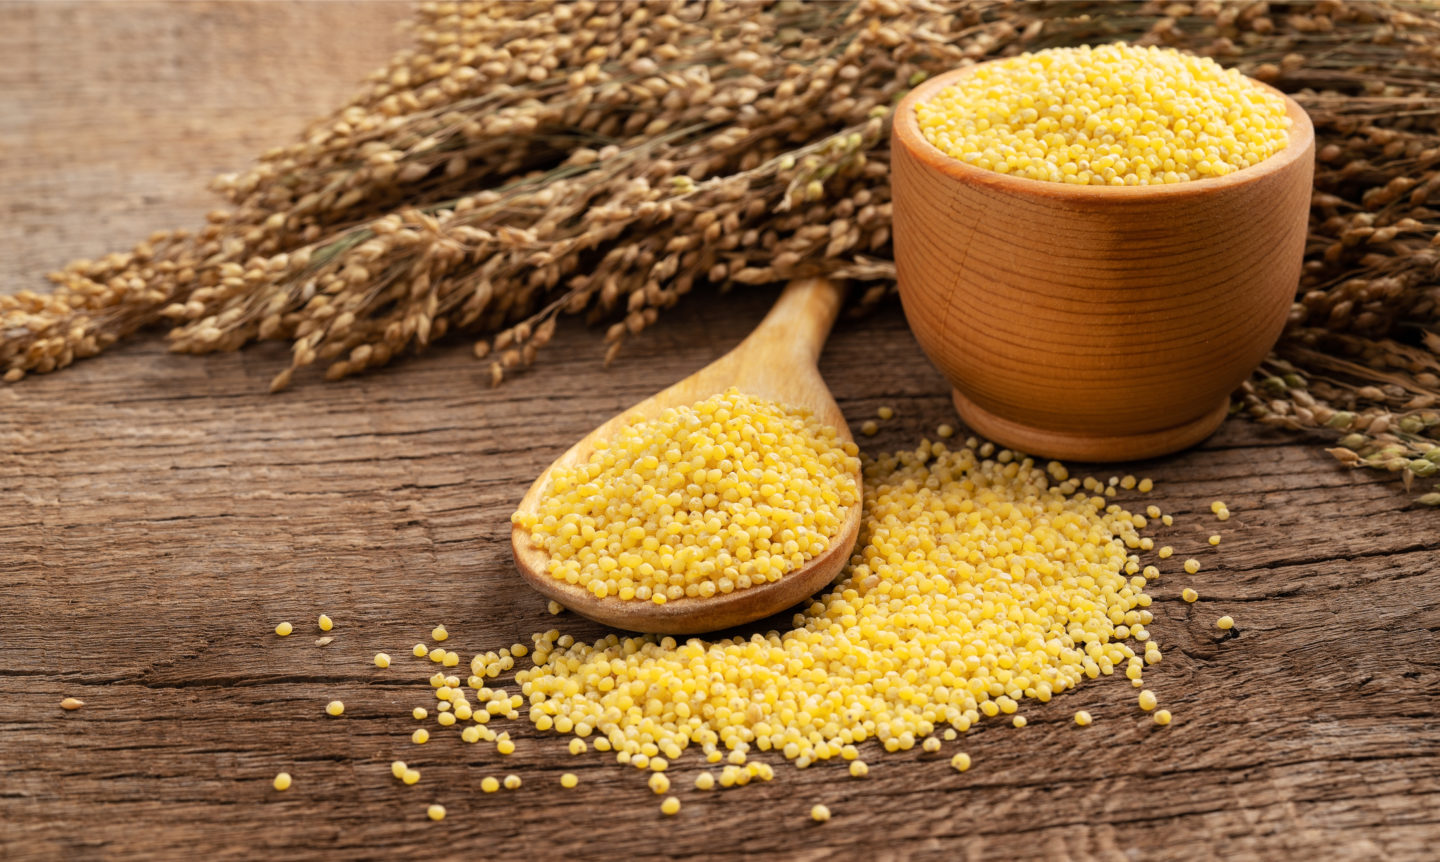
(945, 432)
(71, 703)
(869, 428)
(975, 583)
(961, 761)
(410, 776)
(1214, 539)
(439, 634)
(335, 708)
(1217, 506)
(1192, 566)
(1115, 114)
(555, 608)
(282, 781)
(1225, 623)
(670, 807)
(505, 746)
(577, 746)
(1147, 700)
(819, 813)
(284, 629)
(512, 782)
(885, 413)
(435, 812)
(325, 623)
(419, 713)
(437, 655)
(569, 780)
(420, 736)
(1167, 520)
(1083, 718)
(1019, 721)
(489, 784)
(420, 651)
(1162, 717)
(704, 781)
(1145, 485)
(445, 718)
(397, 768)
(1165, 552)
(859, 769)
(382, 660)
(711, 498)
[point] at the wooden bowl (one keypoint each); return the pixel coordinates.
(1099, 323)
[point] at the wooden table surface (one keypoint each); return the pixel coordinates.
(160, 514)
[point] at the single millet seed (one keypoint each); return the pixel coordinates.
(325, 623)
(1083, 718)
(1189, 595)
(670, 807)
(382, 660)
(335, 707)
(819, 813)
(282, 781)
(71, 703)
(284, 629)
(1225, 623)
(435, 812)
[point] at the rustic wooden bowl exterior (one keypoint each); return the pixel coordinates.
(1096, 323)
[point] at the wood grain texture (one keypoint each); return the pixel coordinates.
(159, 514)
(776, 362)
(1093, 321)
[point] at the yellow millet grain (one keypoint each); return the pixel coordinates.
(975, 584)
(722, 495)
(670, 807)
(282, 781)
(1118, 115)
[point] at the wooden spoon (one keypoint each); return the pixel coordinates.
(776, 362)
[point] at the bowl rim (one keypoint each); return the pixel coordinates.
(906, 130)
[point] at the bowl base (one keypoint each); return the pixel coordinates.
(1077, 446)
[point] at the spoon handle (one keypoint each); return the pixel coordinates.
(797, 325)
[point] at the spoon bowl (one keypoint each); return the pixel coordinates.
(776, 362)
